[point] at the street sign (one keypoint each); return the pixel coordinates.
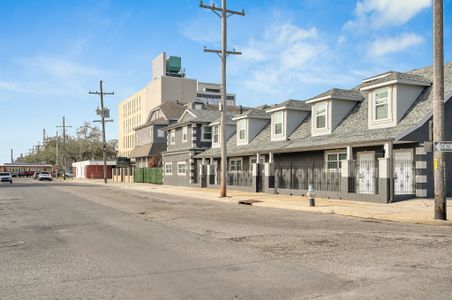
(445, 146)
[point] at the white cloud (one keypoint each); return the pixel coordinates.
(382, 46)
(384, 13)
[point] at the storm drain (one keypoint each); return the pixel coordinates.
(249, 202)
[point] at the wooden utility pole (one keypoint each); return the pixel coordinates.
(57, 167)
(64, 126)
(104, 113)
(223, 13)
(439, 164)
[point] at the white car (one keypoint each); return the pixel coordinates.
(45, 176)
(6, 177)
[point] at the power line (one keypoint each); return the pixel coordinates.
(105, 114)
(223, 13)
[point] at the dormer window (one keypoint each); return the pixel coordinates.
(278, 123)
(173, 136)
(241, 130)
(381, 104)
(216, 134)
(320, 115)
(206, 133)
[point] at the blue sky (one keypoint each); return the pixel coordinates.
(52, 52)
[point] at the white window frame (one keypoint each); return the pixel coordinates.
(235, 160)
(185, 168)
(184, 134)
(242, 127)
(275, 115)
(384, 102)
(338, 159)
(160, 133)
(173, 136)
(217, 134)
(322, 114)
(203, 131)
(170, 165)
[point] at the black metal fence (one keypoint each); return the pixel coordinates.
(363, 176)
(298, 176)
(240, 178)
(404, 177)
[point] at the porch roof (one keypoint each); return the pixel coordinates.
(147, 150)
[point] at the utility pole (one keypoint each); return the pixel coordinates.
(223, 13)
(57, 165)
(105, 114)
(64, 126)
(12, 156)
(439, 164)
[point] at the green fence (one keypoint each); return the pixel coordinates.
(148, 175)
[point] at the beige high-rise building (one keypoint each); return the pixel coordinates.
(168, 84)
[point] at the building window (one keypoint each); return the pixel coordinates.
(235, 164)
(181, 169)
(168, 168)
(216, 134)
(333, 159)
(320, 115)
(160, 133)
(381, 104)
(278, 123)
(173, 136)
(184, 134)
(241, 128)
(206, 133)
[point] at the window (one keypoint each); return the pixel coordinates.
(160, 133)
(241, 128)
(206, 133)
(184, 134)
(320, 115)
(169, 168)
(278, 123)
(181, 169)
(381, 104)
(334, 159)
(216, 134)
(173, 136)
(235, 164)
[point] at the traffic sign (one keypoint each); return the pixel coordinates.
(445, 146)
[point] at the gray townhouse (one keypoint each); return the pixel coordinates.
(369, 143)
(150, 137)
(189, 136)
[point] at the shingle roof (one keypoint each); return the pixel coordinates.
(353, 129)
(291, 104)
(336, 93)
(253, 113)
(147, 150)
(390, 76)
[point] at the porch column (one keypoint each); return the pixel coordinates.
(268, 182)
(349, 153)
(385, 179)
(270, 157)
(389, 174)
(346, 173)
(255, 174)
(203, 174)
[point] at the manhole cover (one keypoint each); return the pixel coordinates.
(11, 244)
(249, 202)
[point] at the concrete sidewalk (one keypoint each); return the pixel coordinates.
(416, 211)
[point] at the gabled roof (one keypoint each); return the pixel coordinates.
(395, 77)
(339, 94)
(352, 130)
(195, 116)
(290, 104)
(171, 110)
(255, 113)
(147, 150)
(228, 119)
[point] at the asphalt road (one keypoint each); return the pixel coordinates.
(66, 241)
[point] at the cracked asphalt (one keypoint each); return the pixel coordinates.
(65, 241)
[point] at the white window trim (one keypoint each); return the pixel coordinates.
(216, 144)
(337, 153)
(235, 159)
(184, 134)
(203, 127)
(324, 130)
(282, 135)
(171, 168)
(160, 133)
(390, 121)
(185, 167)
(173, 136)
(243, 141)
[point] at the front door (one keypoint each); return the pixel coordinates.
(366, 173)
(403, 172)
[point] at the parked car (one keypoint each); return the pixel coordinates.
(45, 176)
(36, 175)
(69, 174)
(6, 177)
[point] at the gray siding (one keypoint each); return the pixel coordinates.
(339, 110)
(294, 119)
(254, 127)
